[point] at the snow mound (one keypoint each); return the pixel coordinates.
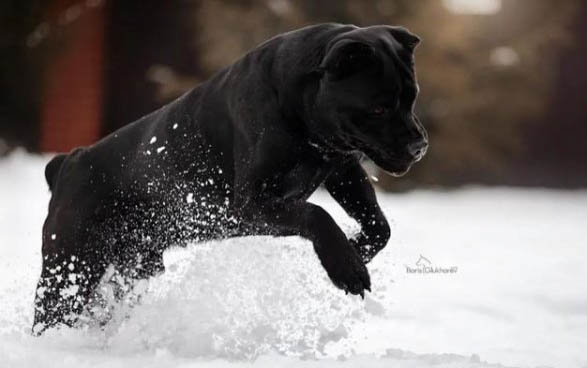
(237, 299)
(256, 299)
(517, 298)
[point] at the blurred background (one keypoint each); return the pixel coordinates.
(502, 81)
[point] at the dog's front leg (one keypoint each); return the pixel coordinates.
(350, 187)
(340, 260)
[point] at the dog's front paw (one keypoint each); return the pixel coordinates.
(347, 271)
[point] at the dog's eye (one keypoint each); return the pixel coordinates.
(378, 110)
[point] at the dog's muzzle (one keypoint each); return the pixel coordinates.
(418, 149)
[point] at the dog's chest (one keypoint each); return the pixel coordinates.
(301, 179)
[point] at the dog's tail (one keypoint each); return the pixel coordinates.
(52, 169)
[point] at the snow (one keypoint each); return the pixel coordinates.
(517, 298)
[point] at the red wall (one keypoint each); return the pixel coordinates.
(71, 113)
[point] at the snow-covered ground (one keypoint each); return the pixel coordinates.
(516, 295)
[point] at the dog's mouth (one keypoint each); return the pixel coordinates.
(394, 167)
(394, 164)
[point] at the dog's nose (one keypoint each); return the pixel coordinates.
(418, 149)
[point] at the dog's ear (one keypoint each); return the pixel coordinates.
(405, 38)
(346, 58)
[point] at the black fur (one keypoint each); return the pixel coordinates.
(239, 154)
(52, 169)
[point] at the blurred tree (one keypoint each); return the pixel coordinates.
(149, 50)
(495, 87)
(19, 89)
(485, 78)
(557, 153)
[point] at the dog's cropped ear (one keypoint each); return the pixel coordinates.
(346, 58)
(405, 38)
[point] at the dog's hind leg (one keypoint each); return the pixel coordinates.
(65, 287)
(124, 285)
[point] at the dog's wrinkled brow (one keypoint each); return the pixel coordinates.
(402, 60)
(405, 62)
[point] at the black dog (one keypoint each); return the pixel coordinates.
(238, 155)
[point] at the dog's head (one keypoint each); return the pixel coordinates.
(365, 97)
